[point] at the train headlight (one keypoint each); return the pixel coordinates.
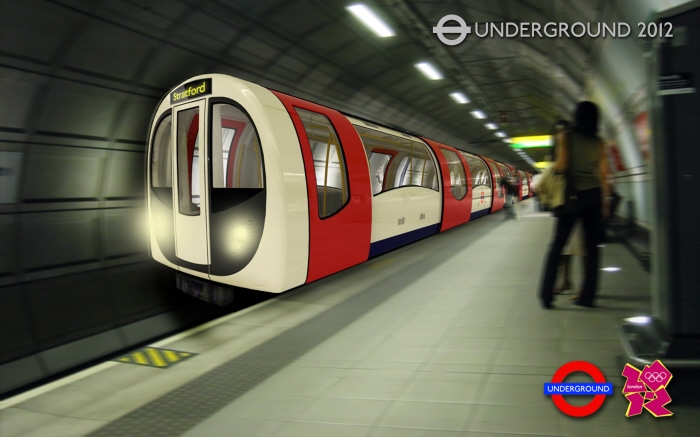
(239, 239)
(240, 233)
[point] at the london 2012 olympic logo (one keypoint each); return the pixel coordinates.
(646, 389)
(558, 388)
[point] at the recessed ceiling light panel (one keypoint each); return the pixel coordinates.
(371, 20)
(460, 98)
(478, 114)
(429, 71)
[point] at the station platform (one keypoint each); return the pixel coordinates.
(444, 337)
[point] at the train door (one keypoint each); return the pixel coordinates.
(191, 203)
(338, 187)
(505, 173)
(482, 197)
(525, 187)
(500, 197)
(456, 199)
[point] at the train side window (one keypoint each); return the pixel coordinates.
(458, 178)
(480, 173)
(161, 155)
(377, 169)
(188, 161)
(236, 154)
(397, 162)
(504, 170)
(329, 162)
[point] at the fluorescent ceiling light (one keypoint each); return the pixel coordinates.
(429, 71)
(371, 20)
(611, 269)
(500, 134)
(491, 126)
(478, 114)
(506, 140)
(459, 98)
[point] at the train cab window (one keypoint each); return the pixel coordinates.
(161, 155)
(329, 162)
(458, 178)
(396, 162)
(188, 161)
(236, 153)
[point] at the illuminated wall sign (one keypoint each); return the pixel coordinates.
(531, 142)
(191, 90)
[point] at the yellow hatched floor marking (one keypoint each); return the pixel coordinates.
(155, 357)
(140, 358)
(171, 356)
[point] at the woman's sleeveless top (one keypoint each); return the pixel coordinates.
(584, 161)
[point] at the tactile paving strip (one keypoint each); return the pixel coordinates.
(180, 410)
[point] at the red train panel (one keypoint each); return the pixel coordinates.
(341, 240)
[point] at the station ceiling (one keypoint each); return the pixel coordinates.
(315, 49)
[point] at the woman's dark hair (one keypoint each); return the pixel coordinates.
(586, 119)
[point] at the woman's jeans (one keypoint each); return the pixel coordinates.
(590, 211)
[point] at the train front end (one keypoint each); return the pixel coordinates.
(226, 190)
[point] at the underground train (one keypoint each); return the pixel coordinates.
(253, 188)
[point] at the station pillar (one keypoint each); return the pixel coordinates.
(672, 332)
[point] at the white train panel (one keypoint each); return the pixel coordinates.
(404, 210)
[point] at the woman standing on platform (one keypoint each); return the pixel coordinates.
(580, 155)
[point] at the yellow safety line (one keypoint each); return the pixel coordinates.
(155, 357)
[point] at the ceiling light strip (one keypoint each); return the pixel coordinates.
(429, 71)
(371, 20)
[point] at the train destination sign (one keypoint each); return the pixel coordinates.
(191, 90)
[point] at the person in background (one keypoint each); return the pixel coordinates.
(580, 154)
(533, 187)
(510, 186)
